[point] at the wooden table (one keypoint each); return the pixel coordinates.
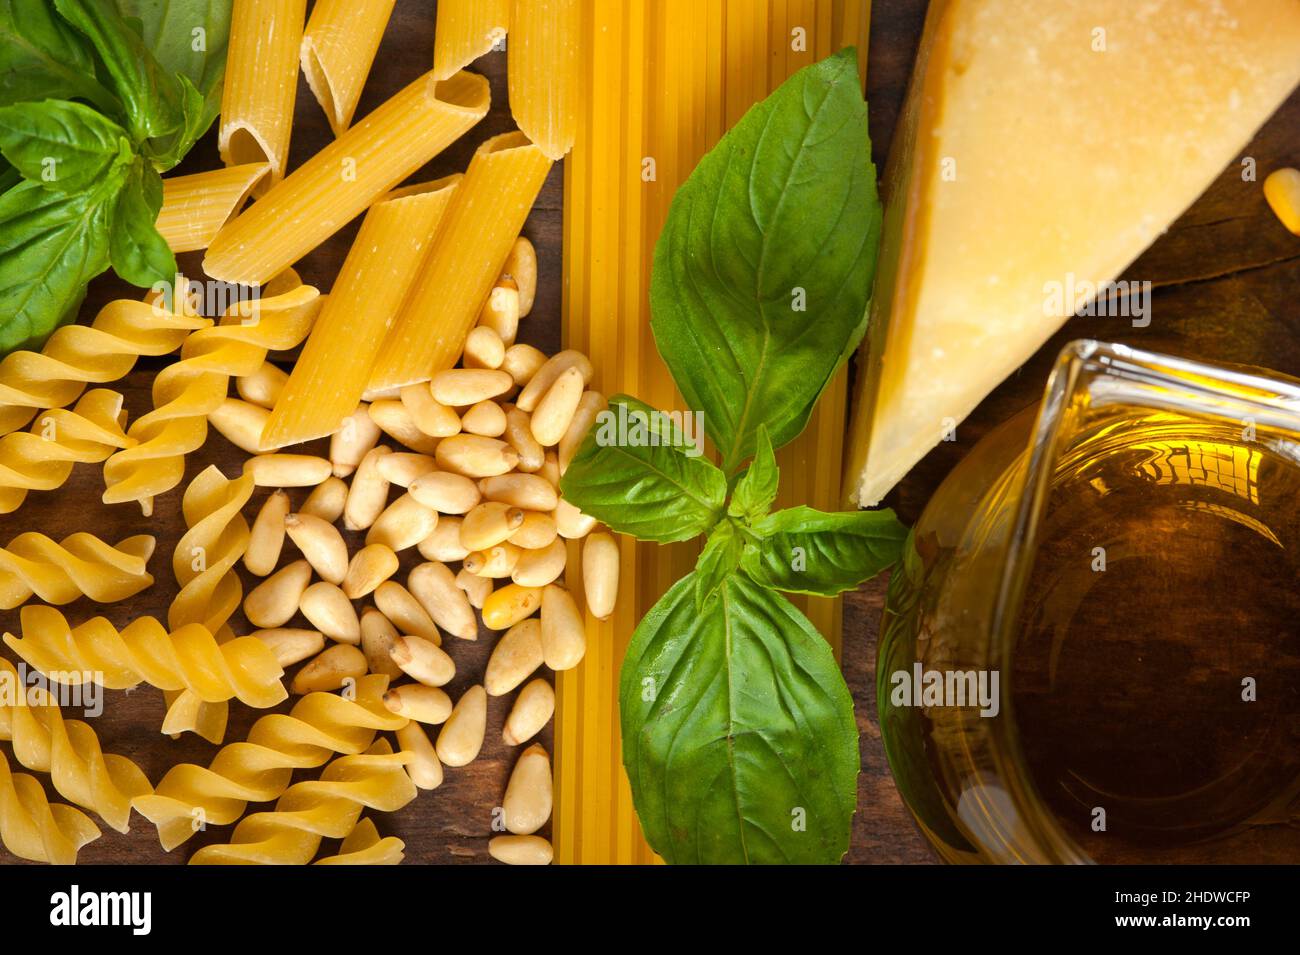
(1227, 287)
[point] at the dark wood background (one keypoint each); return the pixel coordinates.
(1227, 287)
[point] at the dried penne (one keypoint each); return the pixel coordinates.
(338, 48)
(196, 207)
(467, 29)
(545, 36)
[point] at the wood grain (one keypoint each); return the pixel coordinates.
(1227, 280)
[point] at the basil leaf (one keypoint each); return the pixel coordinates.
(636, 472)
(41, 57)
(51, 245)
(189, 38)
(738, 731)
(802, 550)
(9, 176)
(783, 208)
(138, 252)
(720, 557)
(757, 488)
(167, 152)
(150, 95)
(59, 144)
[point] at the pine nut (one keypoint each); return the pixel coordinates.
(327, 500)
(540, 383)
(522, 362)
(590, 405)
(484, 348)
(476, 588)
(510, 604)
(403, 467)
(321, 544)
(444, 543)
(485, 418)
(403, 524)
(600, 573)
(527, 803)
(519, 435)
(489, 524)
(461, 737)
(369, 568)
(396, 421)
(330, 671)
(521, 850)
(531, 492)
(423, 660)
(533, 709)
(287, 470)
(550, 469)
(330, 612)
(430, 415)
(415, 701)
(475, 456)
(240, 423)
(445, 492)
(291, 645)
(357, 434)
(521, 267)
(434, 585)
(537, 531)
(501, 311)
(274, 601)
(495, 562)
(571, 523)
(266, 539)
(564, 636)
(405, 612)
(557, 407)
(425, 769)
(537, 568)
(515, 658)
(458, 387)
(369, 492)
(377, 636)
(263, 386)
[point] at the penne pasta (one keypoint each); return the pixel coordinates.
(338, 47)
(545, 38)
(196, 207)
(466, 29)
(344, 178)
(261, 84)
(331, 374)
(482, 223)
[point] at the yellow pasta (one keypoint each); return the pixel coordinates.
(466, 29)
(77, 355)
(190, 658)
(32, 827)
(329, 190)
(42, 460)
(313, 810)
(261, 768)
(187, 391)
(69, 751)
(81, 565)
(545, 45)
(330, 375)
(196, 207)
(483, 220)
(261, 84)
(338, 48)
(363, 846)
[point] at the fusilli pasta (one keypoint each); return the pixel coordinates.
(312, 810)
(186, 391)
(363, 846)
(260, 769)
(44, 742)
(79, 565)
(32, 827)
(42, 459)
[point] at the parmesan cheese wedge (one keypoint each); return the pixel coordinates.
(1043, 146)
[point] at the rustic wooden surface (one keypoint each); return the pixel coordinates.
(1227, 287)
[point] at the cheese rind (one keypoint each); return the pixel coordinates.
(1045, 144)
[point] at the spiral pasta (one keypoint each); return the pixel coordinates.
(69, 751)
(42, 459)
(80, 565)
(260, 769)
(77, 355)
(32, 827)
(363, 846)
(312, 810)
(186, 391)
(144, 652)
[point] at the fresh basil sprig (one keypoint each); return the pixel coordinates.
(97, 98)
(738, 730)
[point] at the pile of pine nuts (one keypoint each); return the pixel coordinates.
(481, 451)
